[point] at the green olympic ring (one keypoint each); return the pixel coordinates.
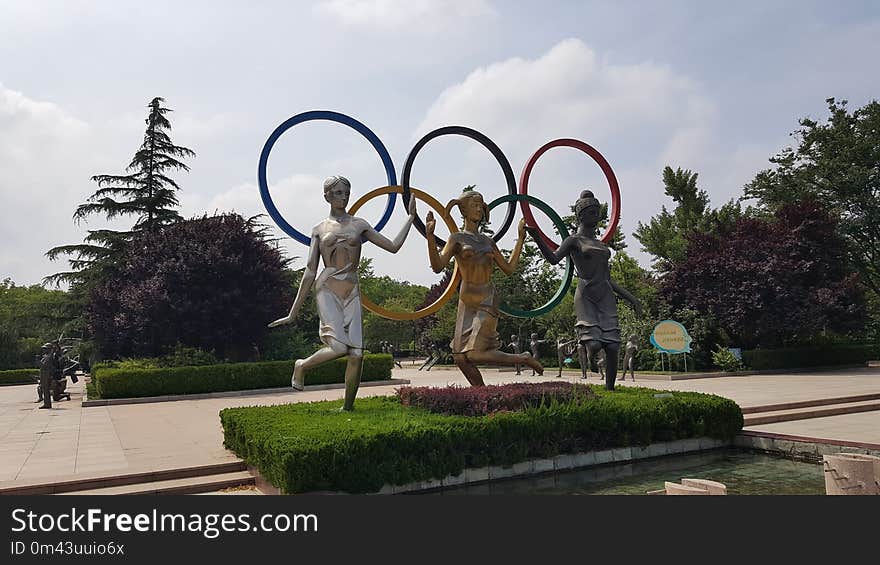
(566, 278)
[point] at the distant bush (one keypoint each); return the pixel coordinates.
(18, 376)
(724, 359)
(121, 382)
(180, 356)
(286, 343)
(792, 358)
(183, 356)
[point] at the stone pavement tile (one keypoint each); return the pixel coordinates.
(18, 444)
(90, 466)
(12, 465)
(44, 467)
(110, 468)
(8, 474)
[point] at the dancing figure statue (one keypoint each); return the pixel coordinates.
(476, 338)
(50, 364)
(563, 350)
(600, 364)
(595, 302)
(584, 359)
(514, 346)
(533, 345)
(337, 242)
(629, 357)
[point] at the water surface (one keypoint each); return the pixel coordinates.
(742, 471)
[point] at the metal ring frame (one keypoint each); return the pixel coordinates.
(453, 282)
(407, 192)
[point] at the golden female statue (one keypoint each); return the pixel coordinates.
(476, 337)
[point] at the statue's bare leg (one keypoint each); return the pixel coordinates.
(611, 352)
(333, 351)
(468, 369)
(593, 347)
(495, 357)
(353, 376)
(583, 360)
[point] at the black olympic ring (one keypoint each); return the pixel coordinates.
(485, 142)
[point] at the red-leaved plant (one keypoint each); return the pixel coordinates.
(480, 401)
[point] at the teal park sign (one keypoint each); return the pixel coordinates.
(671, 337)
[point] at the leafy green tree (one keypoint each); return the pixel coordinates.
(393, 295)
(146, 192)
(836, 163)
(29, 317)
(665, 235)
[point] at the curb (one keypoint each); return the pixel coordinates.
(802, 447)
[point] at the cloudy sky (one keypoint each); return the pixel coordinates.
(708, 86)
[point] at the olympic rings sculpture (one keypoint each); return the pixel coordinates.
(407, 192)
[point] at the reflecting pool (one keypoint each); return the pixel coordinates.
(743, 471)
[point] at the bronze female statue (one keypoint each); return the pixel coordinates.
(337, 241)
(595, 303)
(476, 338)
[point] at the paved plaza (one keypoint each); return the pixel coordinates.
(70, 441)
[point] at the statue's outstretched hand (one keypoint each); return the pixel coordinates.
(637, 307)
(522, 228)
(411, 209)
(281, 321)
(430, 223)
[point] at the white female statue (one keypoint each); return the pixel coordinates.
(337, 241)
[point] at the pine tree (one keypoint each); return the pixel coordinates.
(146, 192)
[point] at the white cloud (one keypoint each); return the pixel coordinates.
(571, 90)
(422, 16)
(296, 196)
(641, 117)
(43, 165)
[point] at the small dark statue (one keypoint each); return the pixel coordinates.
(514, 346)
(533, 346)
(595, 299)
(55, 367)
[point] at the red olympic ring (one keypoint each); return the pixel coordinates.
(600, 160)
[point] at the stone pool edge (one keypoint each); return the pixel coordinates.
(801, 447)
(563, 462)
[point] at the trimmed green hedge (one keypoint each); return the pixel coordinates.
(306, 447)
(819, 356)
(132, 383)
(18, 376)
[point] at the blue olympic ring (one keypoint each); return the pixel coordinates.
(333, 117)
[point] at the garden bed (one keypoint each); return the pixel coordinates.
(314, 447)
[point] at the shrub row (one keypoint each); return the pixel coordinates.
(479, 401)
(810, 357)
(132, 383)
(18, 376)
(306, 447)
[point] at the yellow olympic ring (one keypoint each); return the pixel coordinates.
(450, 223)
